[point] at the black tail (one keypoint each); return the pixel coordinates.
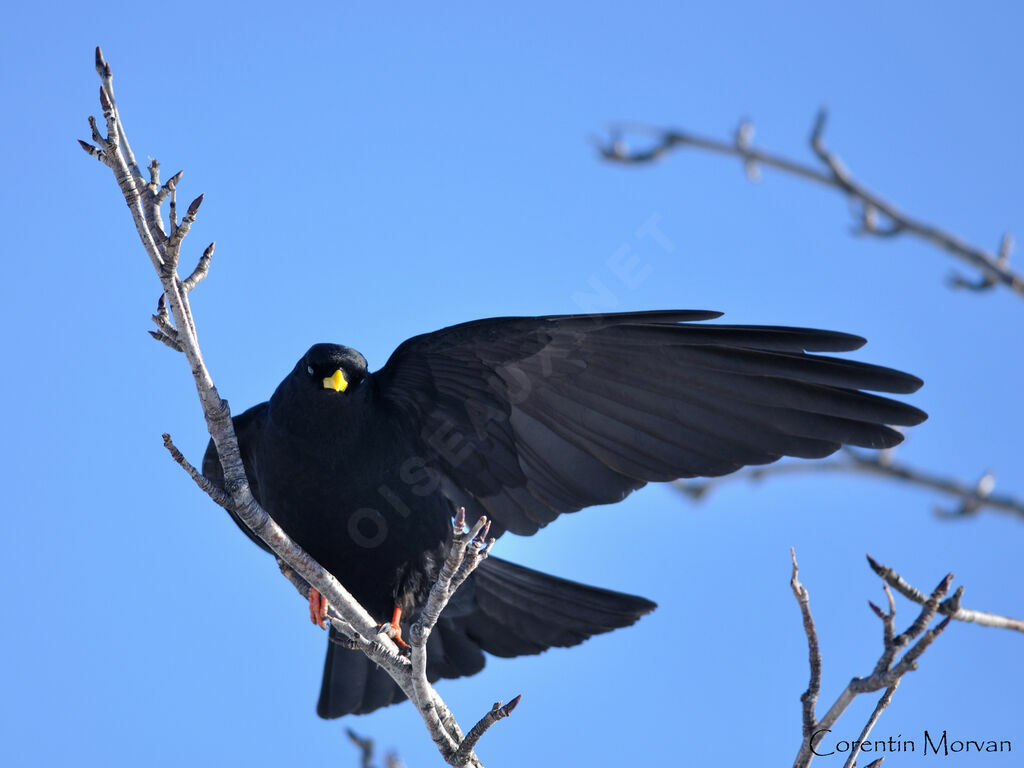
(503, 609)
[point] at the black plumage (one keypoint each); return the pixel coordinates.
(523, 419)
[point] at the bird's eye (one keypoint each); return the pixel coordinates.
(309, 369)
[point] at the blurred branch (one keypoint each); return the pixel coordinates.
(176, 328)
(970, 498)
(366, 749)
(876, 215)
(887, 673)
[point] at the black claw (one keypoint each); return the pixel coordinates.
(87, 146)
(104, 99)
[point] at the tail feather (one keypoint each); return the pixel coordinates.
(352, 684)
(503, 609)
(522, 611)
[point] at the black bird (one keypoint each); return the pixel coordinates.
(522, 419)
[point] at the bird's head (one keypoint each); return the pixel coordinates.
(323, 387)
(331, 367)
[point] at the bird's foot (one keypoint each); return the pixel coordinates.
(317, 608)
(394, 628)
(473, 540)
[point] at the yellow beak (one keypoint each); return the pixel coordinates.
(337, 382)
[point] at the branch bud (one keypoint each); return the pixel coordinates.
(819, 127)
(194, 205)
(507, 709)
(744, 135)
(943, 587)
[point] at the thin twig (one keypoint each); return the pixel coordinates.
(950, 607)
(203, 482)
(883, 703)
(994, 268)
(165, 333)
(467, 551)
(163, 338)
(365, 748)
(497, 713)
(202, 268)
(809, 698)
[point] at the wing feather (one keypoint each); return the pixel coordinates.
(562, 412)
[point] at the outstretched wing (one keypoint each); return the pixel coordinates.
(523, 419)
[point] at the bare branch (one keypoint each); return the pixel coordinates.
(970, 497)
(883, 702)
(365, 748)
(199, 273)
(887, 673)
(809, 698)
(178, 231)
(176, 329)
(165, 332)
(166, 339)
(994, 268)
(145, 211)
(90, 149)
(204, 484)
(169, 186)
(107, 91)
(497, 713)
(467, 551)
(950, 607)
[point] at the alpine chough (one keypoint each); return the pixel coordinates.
(522, 419)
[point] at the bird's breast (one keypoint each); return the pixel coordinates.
(368, 514)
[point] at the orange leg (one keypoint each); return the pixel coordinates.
(396, 627)
(317, 607)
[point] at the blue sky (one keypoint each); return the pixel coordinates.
(374, 174)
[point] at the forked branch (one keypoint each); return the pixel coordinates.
(886, 675)
(366, 750)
